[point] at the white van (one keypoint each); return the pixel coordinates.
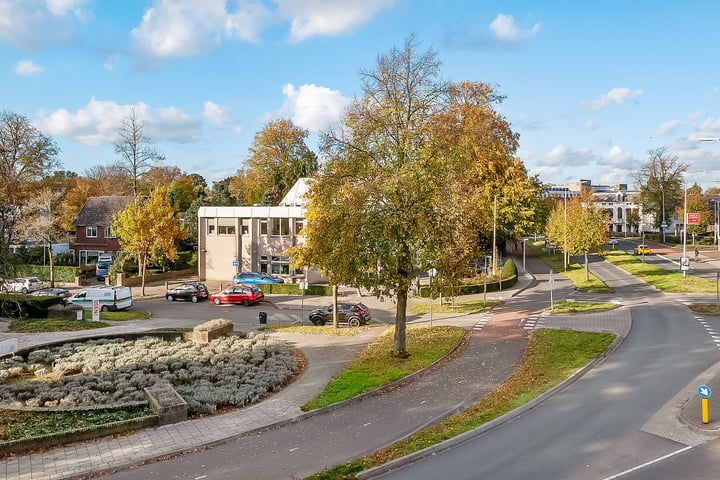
(110, 298)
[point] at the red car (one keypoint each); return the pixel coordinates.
(242, 294)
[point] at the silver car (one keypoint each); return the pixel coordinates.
(22, 285)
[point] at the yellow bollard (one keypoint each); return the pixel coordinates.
(705, 410)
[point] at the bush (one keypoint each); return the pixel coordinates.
(19, 306)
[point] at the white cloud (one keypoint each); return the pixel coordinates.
(560, 155)
(27, 67)
(505, 29)
(668, 128)
(616, 156)
(217, 114)
(314, 108)
(616, 95)
(99, 121)
(62, 7)
(327, 18)
(30, 24)
(175, 28)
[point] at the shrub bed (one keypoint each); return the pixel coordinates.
(230, 371)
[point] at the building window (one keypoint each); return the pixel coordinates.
(299, 225)
(281, 226)
(619, 210)
(226, 226)
(263, 226)
(245, 226)
(109, 233)
(91, 232)
(275, 264)
(211, 226)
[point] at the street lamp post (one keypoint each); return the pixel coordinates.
(685, 227)
(717, 218)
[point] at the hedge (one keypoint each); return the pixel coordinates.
(62, 274)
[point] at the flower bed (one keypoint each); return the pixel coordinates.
(229, 371)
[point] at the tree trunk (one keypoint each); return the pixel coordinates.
(336, 324)
(52, 265)
(141, 266)
(400, 321)
(587, 267)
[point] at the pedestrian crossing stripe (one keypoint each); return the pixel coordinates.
(710, 330)
(481, 323)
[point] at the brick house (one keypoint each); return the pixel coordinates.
(93, 235)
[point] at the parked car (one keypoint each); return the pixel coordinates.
(192, 291)
(108, 298)
(240, 294)
(613, 241)
(642, 250)
(352, 313)
(254, 278)
(22, 285)
(52, 292)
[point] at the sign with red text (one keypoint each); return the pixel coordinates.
(693, 219)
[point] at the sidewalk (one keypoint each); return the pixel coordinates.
(491, 354)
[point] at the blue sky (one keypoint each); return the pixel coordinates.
(590, 86)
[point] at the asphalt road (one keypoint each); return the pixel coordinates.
(594, 428)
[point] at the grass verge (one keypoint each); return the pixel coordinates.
(22, 424)
(38, 325)
(575, 272)
(464, 306)
(579, 307)
(706, 308)
(376, 365)
(669, 281)
(551, 357)
(342, 330)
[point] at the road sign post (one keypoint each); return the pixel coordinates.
(552, 306)
(704, 392)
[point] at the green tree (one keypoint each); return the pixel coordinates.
(581, 227)
(278, 157)
(660, 182)
(26, 154)
(397, 186)
(149, 229)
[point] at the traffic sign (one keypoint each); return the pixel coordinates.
(663, 224)
(693, 219)
(236, 263)
(704, 391)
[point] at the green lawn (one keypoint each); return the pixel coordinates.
(670, 281)
(376, 365)
(575, 272)
(579, 307)
(37, 325)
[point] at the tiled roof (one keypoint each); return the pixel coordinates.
(99, 210)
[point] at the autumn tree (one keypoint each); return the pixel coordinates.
(26, 154)
(41, 222)
(696, 203)
(148, 229)
(397, 185)
(137, 155)
(660, 181)
(579, 226)
(278, 157)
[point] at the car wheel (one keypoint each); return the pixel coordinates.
(216, 300)
(245, 303)
(104, 308)
(316, 320)
(24, 291)
(194, 299)
(353, 322)
(170, 298)
(4, 290)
